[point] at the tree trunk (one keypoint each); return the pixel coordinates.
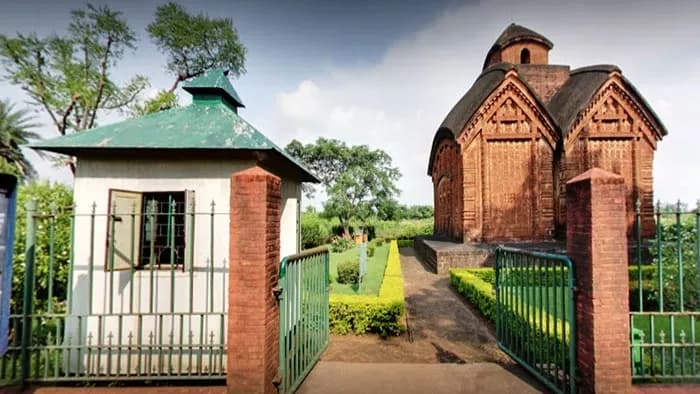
(346, 228)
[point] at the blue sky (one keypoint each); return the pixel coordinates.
(386, 73)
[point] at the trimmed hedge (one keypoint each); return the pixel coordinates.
(405, 243)
(520, 319)
(476, 285)
(380, 314)
(477, 291)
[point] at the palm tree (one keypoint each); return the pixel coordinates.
(14, 132)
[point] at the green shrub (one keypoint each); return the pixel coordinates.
(478, 292)
(405, 243)
(46, 194)
(404, 229)
(522, 320)
(339, 231)
(349, 272)
(554, 277)
(370, 250)
(340, 245)
(486, 274)
(315, 230)
(380, 314)
(672, 235)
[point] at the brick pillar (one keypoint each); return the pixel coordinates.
(596, 242)
(253, 312)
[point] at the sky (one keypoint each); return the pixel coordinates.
(386, 73)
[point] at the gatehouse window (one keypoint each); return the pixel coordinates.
(149, 229)
(525, 56)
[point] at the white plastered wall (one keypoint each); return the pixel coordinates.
(210, 180)
(289, 223)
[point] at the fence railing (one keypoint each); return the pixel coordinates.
(665, 296)
(303, 295)
(535, 314)
(127, 294)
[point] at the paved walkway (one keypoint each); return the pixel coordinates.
(448, 348)
(352, 378)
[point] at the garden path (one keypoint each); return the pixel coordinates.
(442, 329)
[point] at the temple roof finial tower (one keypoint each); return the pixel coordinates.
(519, 45)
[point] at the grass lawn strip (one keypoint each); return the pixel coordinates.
(373, 278)
(382, 313)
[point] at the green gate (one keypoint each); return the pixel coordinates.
(303, 296)
(535, 320)
(665, 296)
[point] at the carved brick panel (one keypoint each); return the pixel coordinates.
(447, 190)
(613, 135)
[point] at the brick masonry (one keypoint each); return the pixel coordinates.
(514, 159)
(440, 256)
(253, 322)
(597, 245)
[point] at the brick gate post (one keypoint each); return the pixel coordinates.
(596, 242)
(254, 255)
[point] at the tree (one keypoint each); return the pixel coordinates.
(69, 77)
(58, 197)
(357, 180)
(14, 132)
(196, 43)
(327, 159)
(163, 100)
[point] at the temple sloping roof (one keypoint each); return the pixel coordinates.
(565, 106)
(469, 104)
(465, 108)
(515, 32)
(209, 124)
(576, 93)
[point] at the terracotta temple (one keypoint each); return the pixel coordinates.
(501, 158)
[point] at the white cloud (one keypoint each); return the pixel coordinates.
(303, 104)
(398, 103)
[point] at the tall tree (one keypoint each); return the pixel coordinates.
(161, 101)
(69, 76)
(195, 44)
(358, 181)
(15, 131)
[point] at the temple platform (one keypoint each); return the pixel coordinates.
(441, 254)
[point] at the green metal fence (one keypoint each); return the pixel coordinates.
(303, 295)
(137, 294)
(665, 296)
(535, 316)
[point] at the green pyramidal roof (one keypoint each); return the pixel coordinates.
(210, 123)
(213, 82)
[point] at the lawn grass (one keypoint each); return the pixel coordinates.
(550, 300)
(672, 352)
(683, 327)
(375, 271)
